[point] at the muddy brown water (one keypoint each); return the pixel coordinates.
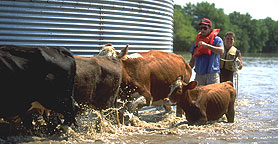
(256, 119)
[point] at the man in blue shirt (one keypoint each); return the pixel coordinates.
(206, 53)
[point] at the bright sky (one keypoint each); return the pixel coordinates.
(258, 9)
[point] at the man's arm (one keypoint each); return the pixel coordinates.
(241, 65)
(216, 49)
(192, 61)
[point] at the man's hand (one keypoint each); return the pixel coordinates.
(216, 49)
(201, 43)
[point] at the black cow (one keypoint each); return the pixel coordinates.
(32, 76)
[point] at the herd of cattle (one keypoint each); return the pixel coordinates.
(51, 80)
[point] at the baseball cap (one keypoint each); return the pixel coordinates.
(206, 21)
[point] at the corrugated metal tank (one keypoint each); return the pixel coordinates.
(84, 26)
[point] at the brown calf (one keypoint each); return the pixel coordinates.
(204, 103)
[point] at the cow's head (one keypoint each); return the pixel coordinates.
(109, 50)
(179, 89)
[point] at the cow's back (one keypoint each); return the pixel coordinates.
(31, 74)
(97, 80)
(216, 98)
(164, 63)
(155, 71)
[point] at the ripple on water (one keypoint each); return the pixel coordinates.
(157, 123)
(256, 119)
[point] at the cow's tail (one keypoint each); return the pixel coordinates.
(233, 92)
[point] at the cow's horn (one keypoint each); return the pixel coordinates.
(178, 83)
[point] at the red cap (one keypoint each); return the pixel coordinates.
(206, 22)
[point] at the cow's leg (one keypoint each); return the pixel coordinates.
(179, 111)
(230, 113)
(117, 110)
(119, 105)
(201, 120)
(148, 98)
(27, 119)
(164, 103)
(197, 115)
(52, 121)
(138, 102)
(69, 111)
(167, 108)
(13, 124)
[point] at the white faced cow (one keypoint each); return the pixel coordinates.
(148, 75)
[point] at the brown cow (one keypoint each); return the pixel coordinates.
(98, 79)
(148, 75)
(204, 103)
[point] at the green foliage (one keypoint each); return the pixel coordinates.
(184, 33)
(252, 36)
(271, 45)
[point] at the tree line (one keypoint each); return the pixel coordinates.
(252, 35)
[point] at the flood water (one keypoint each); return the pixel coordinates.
(256, 119)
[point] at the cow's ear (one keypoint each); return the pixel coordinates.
(180, 77)
(192, 85)
(179, 91)
(123, 52)
(108, 44)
